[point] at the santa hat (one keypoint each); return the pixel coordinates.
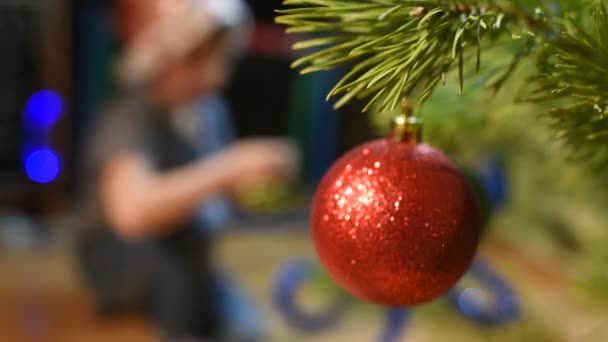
(179, 26)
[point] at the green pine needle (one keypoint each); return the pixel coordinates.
(574, 74)
(397, 48)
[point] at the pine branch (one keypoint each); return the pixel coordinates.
(404, 48)
(401, 48)
(573, 75)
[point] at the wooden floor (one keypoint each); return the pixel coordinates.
(43, 299)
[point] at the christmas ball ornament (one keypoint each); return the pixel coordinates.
(395, 221)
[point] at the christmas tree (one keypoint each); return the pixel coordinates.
(523, 79)
(399, 48)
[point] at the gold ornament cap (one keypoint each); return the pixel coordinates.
(406, 127)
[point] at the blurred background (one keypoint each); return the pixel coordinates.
(546, 237)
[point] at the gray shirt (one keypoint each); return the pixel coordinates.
(130, 125)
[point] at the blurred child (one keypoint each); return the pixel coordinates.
(143, 248)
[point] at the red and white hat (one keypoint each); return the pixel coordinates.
(176, 27)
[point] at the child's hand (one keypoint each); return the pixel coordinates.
(256, 161)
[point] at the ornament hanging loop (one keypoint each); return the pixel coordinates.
(406, 127)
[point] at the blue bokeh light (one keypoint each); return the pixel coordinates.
(42, 166)
(43, 109)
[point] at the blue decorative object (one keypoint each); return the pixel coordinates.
(43, 109)
(42, 166)
(396, 324)
(493, 177)
(501, 308)
(471, 301)
(290, 278)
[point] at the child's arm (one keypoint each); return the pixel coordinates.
(140, 202)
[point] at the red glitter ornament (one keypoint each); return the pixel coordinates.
(395, 222)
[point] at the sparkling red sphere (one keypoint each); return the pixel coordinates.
(395, 223)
